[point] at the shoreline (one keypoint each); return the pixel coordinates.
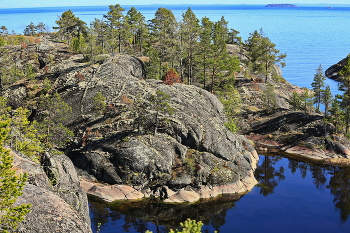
(265, 146)
(112, 193)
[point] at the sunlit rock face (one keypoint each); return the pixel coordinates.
(190, 148)
(58, 203)
(160, 140)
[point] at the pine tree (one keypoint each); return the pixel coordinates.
(326, 99)
(221, 65)
(30, 30)
(164, 34)
(10, 71)
(189, 226)
(205, 45)
(318, 84)
(118, 28)
(140, 115)
(269, 97)
(231, 100)
(91, 47)
(306, 100)
(233, 38)
(78, 44)
(24, 136)
(100, 103)
(4, 109)
(138, 29)
(190, 30)
(295, 101)
(70, 26)
(3, 31)
(345, 98)
(262, 52)
(100, 29)
(41, 28)
(336, 114)
(160, 103)
(154, 65)
(52, 113)
(11, 186)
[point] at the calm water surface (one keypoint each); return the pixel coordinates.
(292, 196)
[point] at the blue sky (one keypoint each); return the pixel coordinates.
(49, 3)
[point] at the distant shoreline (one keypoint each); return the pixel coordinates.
(280, 5)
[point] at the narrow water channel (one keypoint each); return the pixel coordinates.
(292, 196)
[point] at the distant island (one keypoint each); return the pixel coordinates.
(280, 5)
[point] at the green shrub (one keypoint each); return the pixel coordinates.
(278, 79)
(231, 125)
(11, 186)
(189, 226)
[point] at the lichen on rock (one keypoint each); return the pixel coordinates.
(120, 147)
(59, 204)
(149, 136)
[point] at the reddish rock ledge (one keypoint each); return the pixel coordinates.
(111, 193)
(264, 144)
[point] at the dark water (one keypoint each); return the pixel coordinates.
(292, 196)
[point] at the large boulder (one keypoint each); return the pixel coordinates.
(65, 182)
(190, 148)
(58, 202)
(151, 136)
(49, 213)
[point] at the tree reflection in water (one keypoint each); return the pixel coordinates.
(160, 217)
(268, 176)
(339, 185)
(318, 172)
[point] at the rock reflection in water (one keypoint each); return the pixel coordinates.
(211, 212)
(217, 213)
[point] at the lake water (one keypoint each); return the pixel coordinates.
(292, 196)
(310, 35)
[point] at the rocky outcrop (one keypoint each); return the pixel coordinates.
(155, 138)
(333, 71)
(301, 135)
(110, 193)
(276, 128)
(49, 213)
(58, 202)
(65, 182)
(253, 92)
(190, 149)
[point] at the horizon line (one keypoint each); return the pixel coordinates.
(174, 4)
